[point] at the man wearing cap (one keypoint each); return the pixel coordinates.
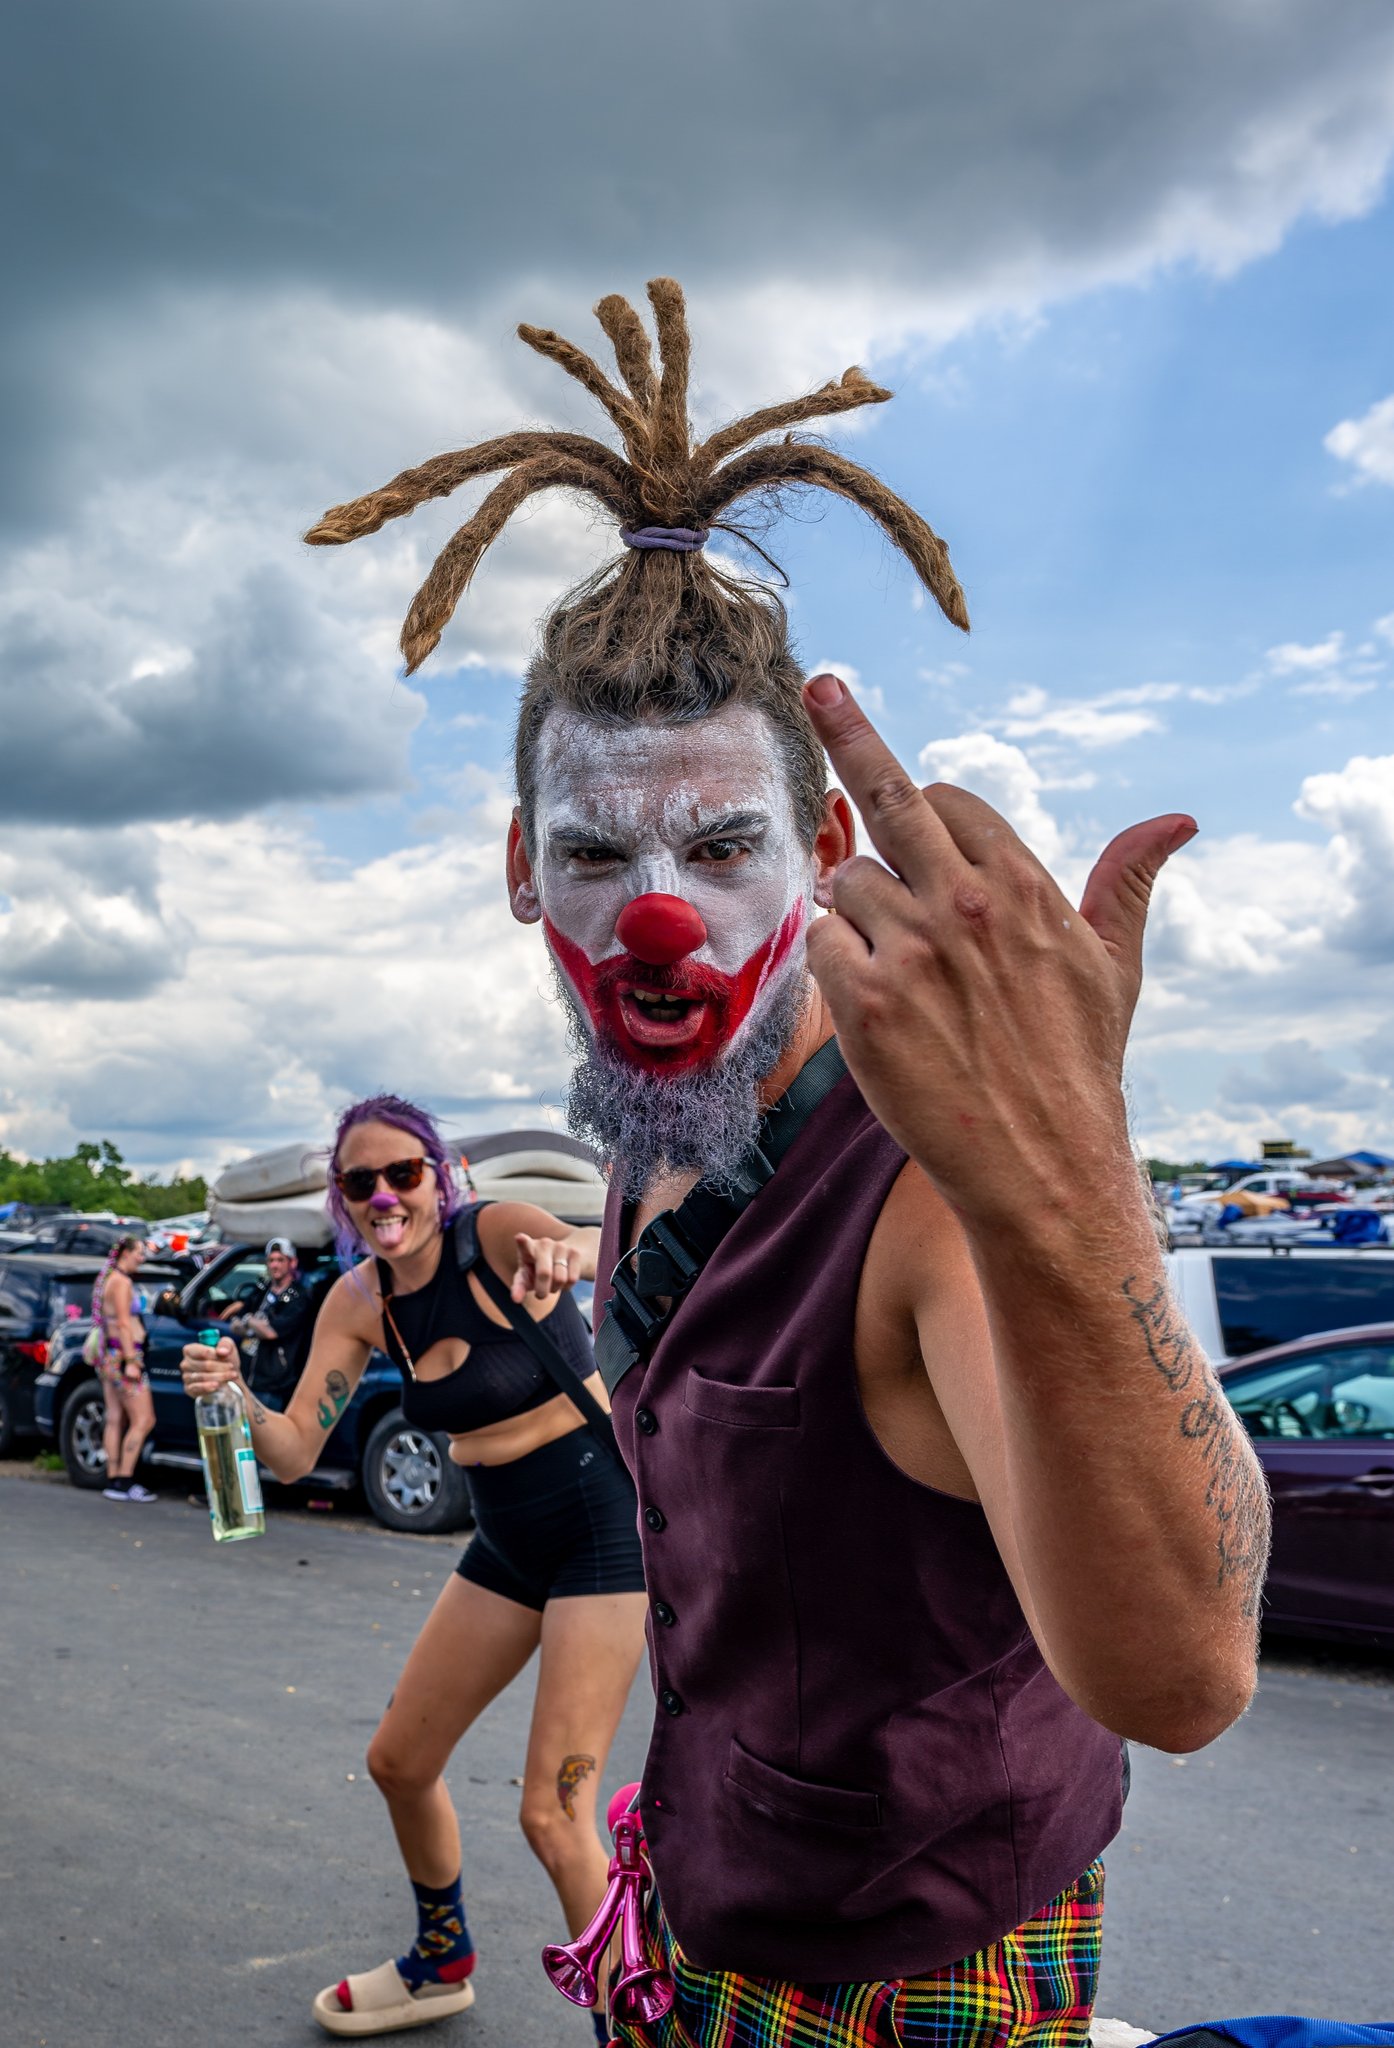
(280, 1322)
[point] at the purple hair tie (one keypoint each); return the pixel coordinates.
(675, 540)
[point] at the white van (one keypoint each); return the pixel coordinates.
(1243, 1299)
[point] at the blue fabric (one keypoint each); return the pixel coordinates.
(442, 1937)
(1288, 2030)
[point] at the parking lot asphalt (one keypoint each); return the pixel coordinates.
(191, 1845)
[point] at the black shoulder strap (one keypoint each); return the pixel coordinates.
(674, 1248)
(550, 1357)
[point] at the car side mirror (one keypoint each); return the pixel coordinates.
(167, 1303)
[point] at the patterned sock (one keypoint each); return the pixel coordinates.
(442, 1952)
(119, 1485)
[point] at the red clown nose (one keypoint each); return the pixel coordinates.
(660, 929)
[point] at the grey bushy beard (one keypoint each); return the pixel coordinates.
(641, 1123)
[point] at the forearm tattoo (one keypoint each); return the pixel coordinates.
(336, 1399)
(1235, 1492)
(258, 1412)
(574, 1771)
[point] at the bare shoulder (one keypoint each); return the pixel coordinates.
(917, 1243)
(352, 1307)
(919, 1334)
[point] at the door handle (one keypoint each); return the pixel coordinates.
(1381, 1476)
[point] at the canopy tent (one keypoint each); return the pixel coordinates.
(1356, 1166)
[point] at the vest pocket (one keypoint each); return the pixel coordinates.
(741, 1407)
(775, 1793)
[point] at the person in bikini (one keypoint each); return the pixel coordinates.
(554, 1563)
(940, 1501)
(129, 1405)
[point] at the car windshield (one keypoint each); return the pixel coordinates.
(242, 1283)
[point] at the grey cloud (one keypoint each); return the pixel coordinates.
(434, 152)
(81, 916)
(83, 962)
(1294, 1074)
(276, 704)
(171, 1105)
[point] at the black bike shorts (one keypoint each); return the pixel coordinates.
(558, 1524)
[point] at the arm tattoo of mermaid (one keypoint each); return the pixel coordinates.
(574, 1770)
(336, 1399)
(1234, 1493)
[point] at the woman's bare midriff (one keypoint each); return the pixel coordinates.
(503, 1443)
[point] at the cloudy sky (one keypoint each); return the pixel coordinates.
(1129, 269)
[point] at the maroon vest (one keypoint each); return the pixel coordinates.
(860, 1765)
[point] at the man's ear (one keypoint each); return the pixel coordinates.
(836, 842)
(522, 890)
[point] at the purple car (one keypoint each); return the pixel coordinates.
(1320, 1411)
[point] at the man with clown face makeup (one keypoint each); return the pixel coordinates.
(939, 1499)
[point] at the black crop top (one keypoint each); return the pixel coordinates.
(500, 1378)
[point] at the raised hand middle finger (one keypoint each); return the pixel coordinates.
(907, 833)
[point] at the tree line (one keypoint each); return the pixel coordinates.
(97, 1177)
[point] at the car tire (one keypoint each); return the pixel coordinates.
(80, 1435)
(410, 1482)
(7, 1423)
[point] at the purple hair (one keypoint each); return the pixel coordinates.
(418, 1124)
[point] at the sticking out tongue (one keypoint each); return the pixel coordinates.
(388, 1231)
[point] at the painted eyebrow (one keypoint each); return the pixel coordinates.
(583, 831)
(731, 824)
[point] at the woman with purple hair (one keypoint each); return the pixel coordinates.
(554, 1563)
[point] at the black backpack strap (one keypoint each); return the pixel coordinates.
(674, 1248)
(549, 1355)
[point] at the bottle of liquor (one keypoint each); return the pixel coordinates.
(229, 1462)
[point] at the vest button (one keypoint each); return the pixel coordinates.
(662, 1612)
(646, 1421)
(670, 1702)
(656, 1519)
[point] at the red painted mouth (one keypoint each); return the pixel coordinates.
(670, 1019)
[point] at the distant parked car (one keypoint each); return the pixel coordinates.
(1245, 1300)
(92, 1235)
(1320, 1412)
(406, 1475)
(37, 1291)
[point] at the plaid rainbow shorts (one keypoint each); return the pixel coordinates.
(1032, 1989)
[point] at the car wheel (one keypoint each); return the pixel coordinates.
(80, 1435)
(7, 1423)
(409, 1479)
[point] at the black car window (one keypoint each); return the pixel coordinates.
(70, 1297)
(244, 1281)
(21, 1292)
(1267, 1300)
(1345, 1392)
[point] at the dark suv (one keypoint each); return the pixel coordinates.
(37, 1293)
(405, 1474)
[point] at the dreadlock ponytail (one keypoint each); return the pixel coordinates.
(662, 634)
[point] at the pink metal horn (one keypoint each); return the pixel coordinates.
(572, 1966)
(640, 1992)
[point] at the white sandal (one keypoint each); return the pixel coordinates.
(380, 2002)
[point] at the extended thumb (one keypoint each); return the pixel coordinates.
(1119, 889)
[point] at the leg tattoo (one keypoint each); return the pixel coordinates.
(574, 1770)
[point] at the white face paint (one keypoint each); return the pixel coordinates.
(701, 813)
